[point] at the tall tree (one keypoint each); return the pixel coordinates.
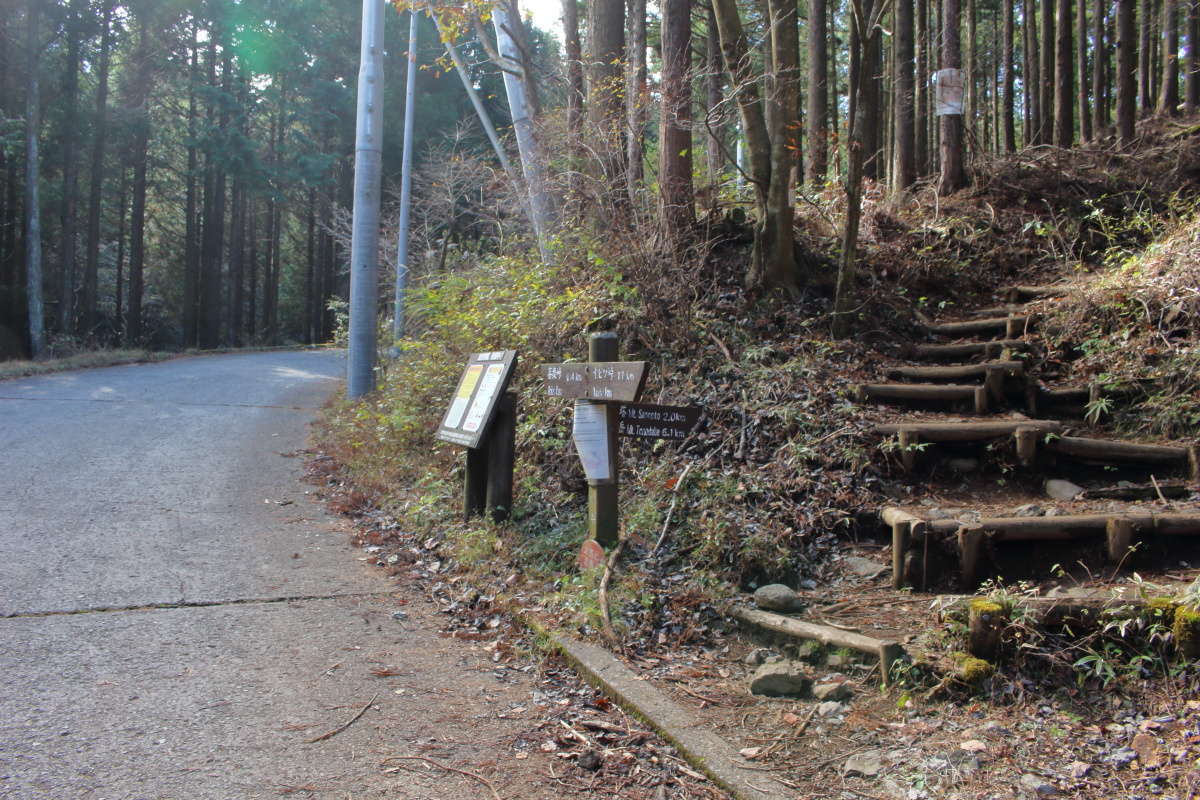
(921, 90)
(818, 94)
(1008, 101)
(773, 263)
(905, 173)
(69, 202)
(1168, 95)
(1145, 55)
(1064, 84)
(1081, 70)
(1048, 75)
(1033, 72)
(953, 173)
(1192, 86)
(87, 324)
(675, 121)
(1100, 49)
(1126, 67)
(637, 97)
(139, 114)
(606, 90)
(573, 53)
(714, 124)
(33, 214)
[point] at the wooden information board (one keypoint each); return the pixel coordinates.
(474, 403)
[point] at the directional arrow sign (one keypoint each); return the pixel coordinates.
(644, 421)
(597, 380)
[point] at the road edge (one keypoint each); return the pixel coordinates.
(698, 745)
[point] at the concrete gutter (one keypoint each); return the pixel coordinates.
(703, 749)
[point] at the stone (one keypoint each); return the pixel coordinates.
(829, 708)
(777, 597)
(1037, 785)
(1062, 490)
(782, 679)
(1146, 747)
(809, 651)
(839, 690)
(864, 567)
(591, 760)
(1122, 757)
(756, 657)
(838, 660)
(1029, 510)
(864, 765)
(1080, 769)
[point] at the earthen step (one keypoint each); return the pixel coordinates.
(958, 350)
(958, 372)
(1016, 294)
(997, 311)
(925, 392)
(885, 650)
(1009, 327)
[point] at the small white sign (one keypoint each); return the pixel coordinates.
(590, 432)
(948, 92)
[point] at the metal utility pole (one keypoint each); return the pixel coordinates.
(410, 91)
(364, 244)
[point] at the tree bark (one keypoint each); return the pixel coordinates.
(636, 98)
(68, 210)
(970, 71)
(87, 319)
(33, 216)
(1145, 56)
(191, 246)
(1046, 130)
(1033, 72)
(606, 91)
(675, 122)
(905, 173)
(715, 127)
(1100, 59)
(573, 53)
(818, 94)
(953, 175)
(1126, 66)
(1192, 87)
(1168, 95)
(921, 92)
(1008, 105)
(1064, 84)
(1081, 70)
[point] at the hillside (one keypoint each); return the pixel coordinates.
(1055, 301)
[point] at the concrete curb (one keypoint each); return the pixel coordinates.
(703, 749)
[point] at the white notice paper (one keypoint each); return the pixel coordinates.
(590, 432)
(948, 92)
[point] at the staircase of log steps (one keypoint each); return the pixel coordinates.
(978, 365)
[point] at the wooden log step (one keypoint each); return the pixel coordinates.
(1108, 451)
(1017, 294)
(1173, 490)
(959, 350)
(958, 372)
(968, 431)
(1065, 394)
(997, 311)
(932, 392)
(1010, 327)
(1078, 611)
(886, 651)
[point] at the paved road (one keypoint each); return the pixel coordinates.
(178, 617)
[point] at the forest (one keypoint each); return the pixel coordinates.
(176, 174)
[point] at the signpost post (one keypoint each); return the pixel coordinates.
(605, 392)
(482, 418)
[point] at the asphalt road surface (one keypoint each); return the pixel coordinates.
(179, 619)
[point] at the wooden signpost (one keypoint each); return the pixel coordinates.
(605, 392)
(482, 417)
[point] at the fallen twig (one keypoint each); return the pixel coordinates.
(670, 511)
(606, 625)
(341, 728)
(491, 786)
(803, 726)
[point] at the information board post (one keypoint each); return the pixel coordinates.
(501, 449)
(602, 494)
